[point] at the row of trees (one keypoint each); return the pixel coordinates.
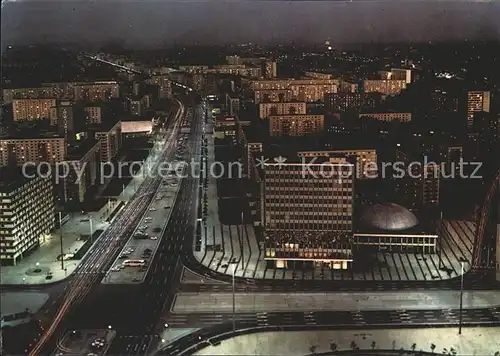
(354, 347)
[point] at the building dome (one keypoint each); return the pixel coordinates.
(389, 216)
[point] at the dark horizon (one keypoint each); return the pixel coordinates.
(150, 24)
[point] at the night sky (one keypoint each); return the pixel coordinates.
(147, 22)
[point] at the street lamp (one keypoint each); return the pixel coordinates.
(461, 297)
(91, 230)
(234, 298)
(109, 327)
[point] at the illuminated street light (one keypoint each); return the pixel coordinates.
(166, 326)
(109, 327)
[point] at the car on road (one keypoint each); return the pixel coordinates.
(154, 237)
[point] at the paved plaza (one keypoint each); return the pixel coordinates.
(261, 302)
(239, 243)
(33, 269)
(473, 341)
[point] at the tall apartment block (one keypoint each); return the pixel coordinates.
(27, 214)
(20, 150)
(110, 139)
(307, 213)
(418, 185)
(32, 109)
(477, 101)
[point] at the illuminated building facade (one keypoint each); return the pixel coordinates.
(94, 114)
(342, 102)
(365, 160)
(419, 184)
(384, 86)
(282, 108)
(86, 161)
(32, 109)
(307, 90)
(390, 227)
(272, 96)
(96, 91)
(388, 116)
(17, 151)
(477, 101)
(27, 214)
(307, 214)
(296, 125)
(111, 141)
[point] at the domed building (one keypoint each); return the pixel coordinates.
(392, 227)
(389, 216)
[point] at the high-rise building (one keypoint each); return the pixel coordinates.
(20, 150)
(27, 212)
(111, 140)
(307, 213)
(417, 183)
(32, 109)
(62, 116)
(477, 101)
(282, 108)
(296, 125)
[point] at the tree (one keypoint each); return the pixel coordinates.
(333, 347)
(353, 345)
(433, 347)
(312, 349)
(373, 345)
(413, 346)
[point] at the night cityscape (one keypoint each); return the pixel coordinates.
(250, 178)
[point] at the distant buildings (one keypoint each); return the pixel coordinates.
(267, 66)
(477, 101)
(388, 116)
(96, 91)
(384, 86)
(76, 91)
(306, 90)
(296, 125)
(27, 212)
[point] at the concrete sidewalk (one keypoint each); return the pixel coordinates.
(473, 341)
